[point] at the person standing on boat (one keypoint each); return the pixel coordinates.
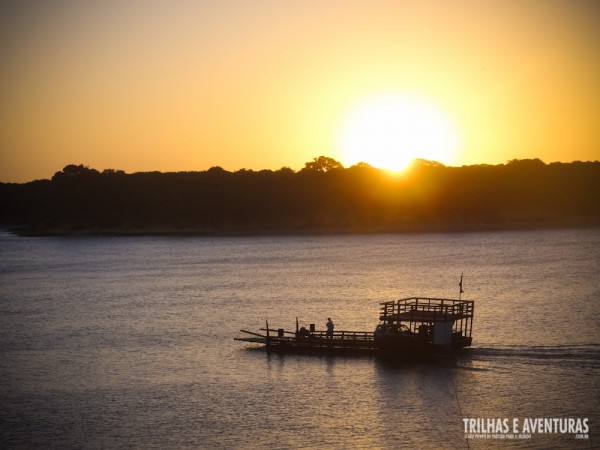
(329, 328)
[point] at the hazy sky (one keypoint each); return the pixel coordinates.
(143, 85)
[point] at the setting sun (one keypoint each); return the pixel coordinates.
(188, 85)
(389, 130)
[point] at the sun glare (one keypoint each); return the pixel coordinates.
(389, 130)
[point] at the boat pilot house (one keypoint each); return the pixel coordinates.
(409, 327)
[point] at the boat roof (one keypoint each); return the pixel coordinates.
(425, 309)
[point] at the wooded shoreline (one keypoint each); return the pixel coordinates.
(193, 232)
(322, 198)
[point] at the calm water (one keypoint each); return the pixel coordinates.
(127, 342)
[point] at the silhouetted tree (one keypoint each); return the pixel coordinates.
(323, 164)
(535, 163)
(419, 162)
(363, 165)
(73, 171)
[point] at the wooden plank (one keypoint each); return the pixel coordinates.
(254, 334)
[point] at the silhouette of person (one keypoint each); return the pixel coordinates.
(329, 328)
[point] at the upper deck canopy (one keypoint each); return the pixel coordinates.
(426, 310)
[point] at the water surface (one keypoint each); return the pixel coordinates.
(112, 342)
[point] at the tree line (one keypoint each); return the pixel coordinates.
(322, 197)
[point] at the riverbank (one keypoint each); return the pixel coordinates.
(315, 231)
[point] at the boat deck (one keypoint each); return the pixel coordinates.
(348, 340)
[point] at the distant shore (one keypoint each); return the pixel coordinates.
(232, 232)
(318, 200)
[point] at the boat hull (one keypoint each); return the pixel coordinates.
(390, 348)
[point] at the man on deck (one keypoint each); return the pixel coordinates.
(329, 328)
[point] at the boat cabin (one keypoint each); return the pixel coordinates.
(433, 321)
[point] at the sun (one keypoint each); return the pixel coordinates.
(389, 130)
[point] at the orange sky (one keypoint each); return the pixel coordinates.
(143, 85)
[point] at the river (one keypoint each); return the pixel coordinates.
(127, 342)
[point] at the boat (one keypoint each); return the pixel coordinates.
(411, 327)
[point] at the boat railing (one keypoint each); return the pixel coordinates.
(439, 306)
(280, 333)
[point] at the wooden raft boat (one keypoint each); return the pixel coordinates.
(409, 327)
